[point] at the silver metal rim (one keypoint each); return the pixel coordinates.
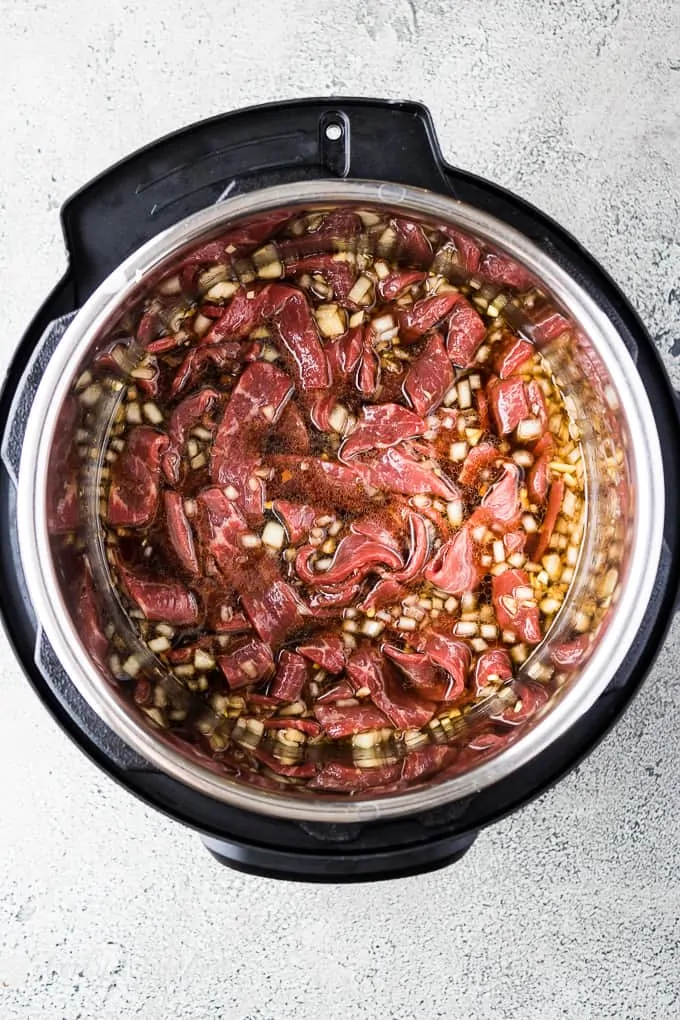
(43, 584)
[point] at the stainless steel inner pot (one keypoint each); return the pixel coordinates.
(624, 485)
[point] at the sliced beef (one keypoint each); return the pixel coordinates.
(219, 525)
(135, 478)
(501, 502)
(465, 334)
(161, 601)
(356, 556)
(405, 709)
(256, 403)
(344, 722)
(380, 427)
(450, 654)
(343, 355)
(298, 518)
(248, 664)
(198, 360)
(455, 568)
(425, 762)
(294, 324)
(516, 609)
(552, 511)
(423, 675)
(350, 779)
(538, 479)
(419, 548)
(468, 250)
(368, 373)
(338, 273)
(479, 458)
(290, 315)
(570, 654)
(511, 355)
(63, 506)
(429, 377)
(273, 606)
(394, 285)
(530, 697)
(189, 413)
(509, 404)
(385, 592)
(426, 313)
(179, 531)
(90, 628)
(412, 244)
(536, 402)
(327, 651)
(492, 666)
(546, 324)
(291, 677)
(396, 471)
(498, 268)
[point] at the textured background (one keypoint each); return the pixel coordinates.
(569, 909)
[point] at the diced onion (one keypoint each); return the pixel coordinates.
(133, 413)
(553, 566)
(153, 413)
(132, 666)
(202, 660)
(222, 290)
(465, 628)
(406, 623)
(464, 394)
(454, 512)
(274, 535)
(361, 291)
(330, 319)
(91, 395)
(201, 324)
(383, 324)
(528, 430)
(267, 263)
(159, 644)
(249, 541)
(338, 418)
(529, 524)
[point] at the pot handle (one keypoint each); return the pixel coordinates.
(239, 152)
(340, 867)
(22, 399)
(70, 705)
(380, 140)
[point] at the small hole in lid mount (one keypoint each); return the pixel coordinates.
(333, 132)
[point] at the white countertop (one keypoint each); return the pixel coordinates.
(568, 909)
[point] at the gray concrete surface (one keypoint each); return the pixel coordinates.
(569, 909)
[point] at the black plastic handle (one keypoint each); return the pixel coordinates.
(44, 658)
(252, 148)
(376, 866)
(24, 391)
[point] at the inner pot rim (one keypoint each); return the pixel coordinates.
(39, 568)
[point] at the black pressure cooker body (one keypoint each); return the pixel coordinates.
(154, 189)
